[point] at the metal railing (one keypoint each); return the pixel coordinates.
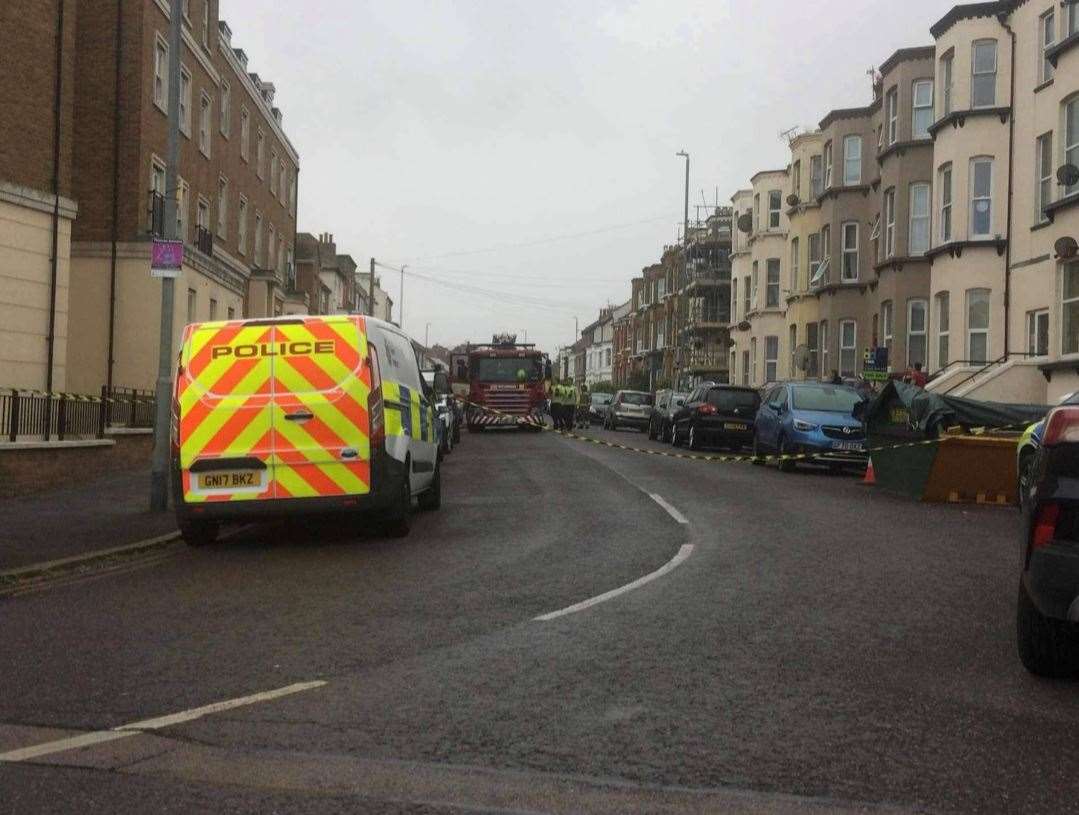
(985, 366)
(705, 361)
(157, 214)
(31, 415)
(204, 240)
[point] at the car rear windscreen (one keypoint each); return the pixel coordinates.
(824, 397)
(636, 398)
(734, 400)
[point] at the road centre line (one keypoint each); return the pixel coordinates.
(674, 513)
(683, 553)
(135, 728)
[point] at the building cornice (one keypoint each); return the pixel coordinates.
(972, 11)
(1067, 44)
(955, 248)
(907, 55)
(846, 113)
(958, 118)
(36, 200)
(900, 147)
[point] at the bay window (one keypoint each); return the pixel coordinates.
(771, 294)
(852, 160)
(1043, 162)
(917, 323)
(984, 74)
(848, 348)
(891, 106)
(981, 197)
(850, 251)
(978, 325)
(771, 359)
(945, 203)
(918, 238)
(922, 116)
(943, 320)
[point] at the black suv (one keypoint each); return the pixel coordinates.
(719, 415)
(1047, 613)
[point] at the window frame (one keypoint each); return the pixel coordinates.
(849, 251)
(754, 278)
(771, 363)
(1065, 270)
(974, 198)
(792, 341)
(828, 165)
(1069, 143)
(1044, 180)
(225, 109)
(975, 73)
(891, 107)
(1033, 321)
(774, 212)
(206, 115)
(1046, 40)
(926, 110)
(942, 300)
(160, 85)
(192, 306)
(772, 287)
(850, 180)
(222, 206)
(947, 201)
(795, 264)
(887, 326)
(851, 349)
(241, 225)
(913, 218)
(245, 134)
(273, 172)
(186, 87)
(947, 74)
(889, 222)
(923, 334)
(260, 153)
(816, 179)
(972, 330)
(822, 332)
(753, 359)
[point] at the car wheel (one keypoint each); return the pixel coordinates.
(758, 456)
(784, 466)
(431, 498)
(1027, 461)
(651, 431)
(694, 441)
(399, 520)
(676, 439)
(1047, 647)
(199, 533)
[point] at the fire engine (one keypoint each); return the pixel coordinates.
(503, 383)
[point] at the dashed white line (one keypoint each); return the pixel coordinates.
(674, 513)
(134, 728)
(673, 563)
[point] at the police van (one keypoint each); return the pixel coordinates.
(288, 415)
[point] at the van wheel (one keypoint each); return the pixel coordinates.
(694, 442)
(1046, 647)
(399, 520)
(199, 533)
(431, 498)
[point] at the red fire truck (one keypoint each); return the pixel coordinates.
(506, 376)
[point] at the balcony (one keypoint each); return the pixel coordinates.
(707, 276)
(204, 241)
(157, 214)
(708, 316)
(705, 361)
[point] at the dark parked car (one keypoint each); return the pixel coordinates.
(1047, 613)
(629, 409)
(667, 404)
(718, 415)
(813, 419)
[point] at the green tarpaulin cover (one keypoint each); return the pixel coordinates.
(930, 412)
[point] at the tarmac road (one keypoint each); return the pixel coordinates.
(808, 645)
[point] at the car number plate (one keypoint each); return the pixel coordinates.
(230, 480)
(733, 426)
(852, 446)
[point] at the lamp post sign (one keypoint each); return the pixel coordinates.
(166, 258)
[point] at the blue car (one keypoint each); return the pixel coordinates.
(810, 418)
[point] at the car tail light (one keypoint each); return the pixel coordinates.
(707, 410)
(1045, 525)
(374, 400)
(1062, 426)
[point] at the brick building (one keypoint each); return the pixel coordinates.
(325, 280)
(37, 86)
(237, 186)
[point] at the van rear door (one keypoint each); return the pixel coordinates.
(321, 427)
(224, 425)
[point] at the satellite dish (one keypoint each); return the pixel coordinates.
(1066, 247)
(801, 357)
(745, 222)
(792, 200)
(1068, 175)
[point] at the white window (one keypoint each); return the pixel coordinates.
(1047, 36)
(1069, 333)
(771, 294)
(185, 101)
(887, 323)
(183, 195)
(824, 369)
(756, 212)
(226, 108)
(753, 359)
(775, 204)
(827, 165)
(1072, 21)
(850, 251)
(734, 299)
(753, 279)
(771, 359)
(273, 172)
(206, 24)
(918, 240)
(946, 65)
(1043, 162)
(222, 206)
(814, 255)
(284, 184)
(943, 320)
(241, 226)
(258, 239)
(260, 153)
(917, 325)
(792, 338)
(889, 223)
(271, 247)
(852, 160)
(161, 74)
(922, 116)
(747, 298)
(978, 325)
(945, 203)
(157, 176)
(1038, 332)
(794, 264)
(848, 348)
(202, 214)
(816, 177)
(984, 74)
(245, 133)
(891, 105)
(981, 197)
(205, 116)
(796, 178)
(1071, 135)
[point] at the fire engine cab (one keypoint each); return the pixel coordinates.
(504, 383)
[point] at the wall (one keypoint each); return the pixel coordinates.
(30, 468)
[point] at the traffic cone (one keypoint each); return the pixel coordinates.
(870, 476)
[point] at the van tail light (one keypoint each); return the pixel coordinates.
(375, 409)
(1045, 525)
(1062, 426)
(707, 410)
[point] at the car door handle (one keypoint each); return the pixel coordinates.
(300, 416)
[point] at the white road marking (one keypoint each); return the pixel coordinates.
(673, 563)
(674, 513)
(135, 728)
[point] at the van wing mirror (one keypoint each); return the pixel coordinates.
(442, 383)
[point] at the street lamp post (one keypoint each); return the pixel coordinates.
(427, 336)
(401, 303)
(685, 243)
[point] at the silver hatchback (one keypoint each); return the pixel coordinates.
(630, 409)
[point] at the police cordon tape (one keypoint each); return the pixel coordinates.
(766, 459)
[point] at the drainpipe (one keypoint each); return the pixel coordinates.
(115, 198)
(56, 190)
(1011, 165)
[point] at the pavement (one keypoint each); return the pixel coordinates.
(104, 513)
(823, 647)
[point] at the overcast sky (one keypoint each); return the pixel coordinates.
(522, 154)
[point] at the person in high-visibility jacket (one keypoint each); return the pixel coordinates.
(563, 401)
